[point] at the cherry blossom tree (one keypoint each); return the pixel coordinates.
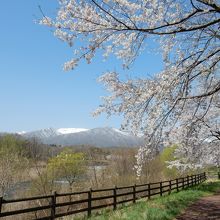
(184, 96)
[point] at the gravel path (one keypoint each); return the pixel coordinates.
(204, 209)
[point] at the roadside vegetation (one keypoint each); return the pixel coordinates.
(43, 169)
(162, 208)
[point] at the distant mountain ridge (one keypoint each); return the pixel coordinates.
(100, 137)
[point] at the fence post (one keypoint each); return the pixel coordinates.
(148, 190)
(191, 181)
(170, 187)
(187, 181)
(161, 189)
(115, 198)
(89, 202)
(134, 193)
(1, 201)
(177, 185)
(53, 205)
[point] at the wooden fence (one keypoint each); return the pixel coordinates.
(95, 198)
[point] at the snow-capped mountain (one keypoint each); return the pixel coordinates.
(100, 137)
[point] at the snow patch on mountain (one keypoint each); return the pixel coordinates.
(70, 130)
(41, 134)
(21, 132)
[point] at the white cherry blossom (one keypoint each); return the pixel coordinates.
(180, 104)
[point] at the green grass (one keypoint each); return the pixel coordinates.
(162, 208)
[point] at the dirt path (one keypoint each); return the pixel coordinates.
(205, 209)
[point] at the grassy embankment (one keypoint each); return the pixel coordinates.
(162, 208)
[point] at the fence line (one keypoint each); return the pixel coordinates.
(117, 195)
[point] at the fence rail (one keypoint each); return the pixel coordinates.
(117, 195)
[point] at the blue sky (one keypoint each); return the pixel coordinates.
(35, 92)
